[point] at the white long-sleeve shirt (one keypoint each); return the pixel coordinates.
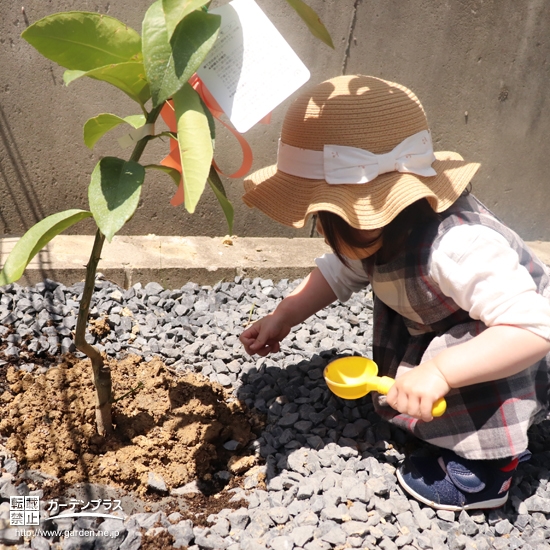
(476, 267)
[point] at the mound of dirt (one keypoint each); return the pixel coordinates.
(168, 428)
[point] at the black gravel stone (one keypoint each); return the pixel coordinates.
(329, 465)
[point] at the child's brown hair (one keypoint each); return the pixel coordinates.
(338, 232)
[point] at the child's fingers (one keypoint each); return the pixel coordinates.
(247, 342)
(263, 350)
(256, 344)
(426, 406)
(404, 404)
(415, 406)
(247, 347)
(249, 339)
(407, 403)
(250, 332)
(246, 338)
(261, 339)
(391, 397)
(271, 346)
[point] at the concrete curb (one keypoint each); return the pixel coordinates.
(174, 261)
(171, 261)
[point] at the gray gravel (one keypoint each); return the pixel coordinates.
(329, 463)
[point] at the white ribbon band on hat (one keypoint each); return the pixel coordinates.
(340, 164)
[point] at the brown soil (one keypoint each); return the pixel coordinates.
(163, 540)
(171, 426)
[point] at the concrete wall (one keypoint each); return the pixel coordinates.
(480, 68)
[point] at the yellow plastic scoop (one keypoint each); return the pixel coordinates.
(354, 377)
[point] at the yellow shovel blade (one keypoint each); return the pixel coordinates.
(354, 377)
(351, 377)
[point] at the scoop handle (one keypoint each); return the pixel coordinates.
(384, 383)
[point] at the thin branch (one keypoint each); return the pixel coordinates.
(101, 372)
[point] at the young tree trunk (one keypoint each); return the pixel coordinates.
(100, 372)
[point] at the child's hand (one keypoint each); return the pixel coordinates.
(311, 295)
(264, 335)
(415, 392)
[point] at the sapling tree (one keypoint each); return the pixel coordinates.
(152, 69)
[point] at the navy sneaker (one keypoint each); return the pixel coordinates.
(450, 482)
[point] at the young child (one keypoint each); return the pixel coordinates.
(461, 305)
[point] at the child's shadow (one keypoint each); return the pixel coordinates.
(302, 413)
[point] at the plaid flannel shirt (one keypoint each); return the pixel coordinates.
(483, 421)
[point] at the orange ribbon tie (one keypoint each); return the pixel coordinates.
(173, 159)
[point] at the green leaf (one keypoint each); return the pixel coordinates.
(71, 75)
(170, 63)
(217, 186)
(84, 41)
(35, 239)
(137, 121)
(211, 122)
(128, 77)
(176, 10)
(172, 172)
(311, 19)
(114, 193)
(96, 127)
(195, 144)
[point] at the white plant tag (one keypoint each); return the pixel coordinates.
(251, 68)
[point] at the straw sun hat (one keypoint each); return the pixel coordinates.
(360, 147)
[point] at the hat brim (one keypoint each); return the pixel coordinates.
(290, 200)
